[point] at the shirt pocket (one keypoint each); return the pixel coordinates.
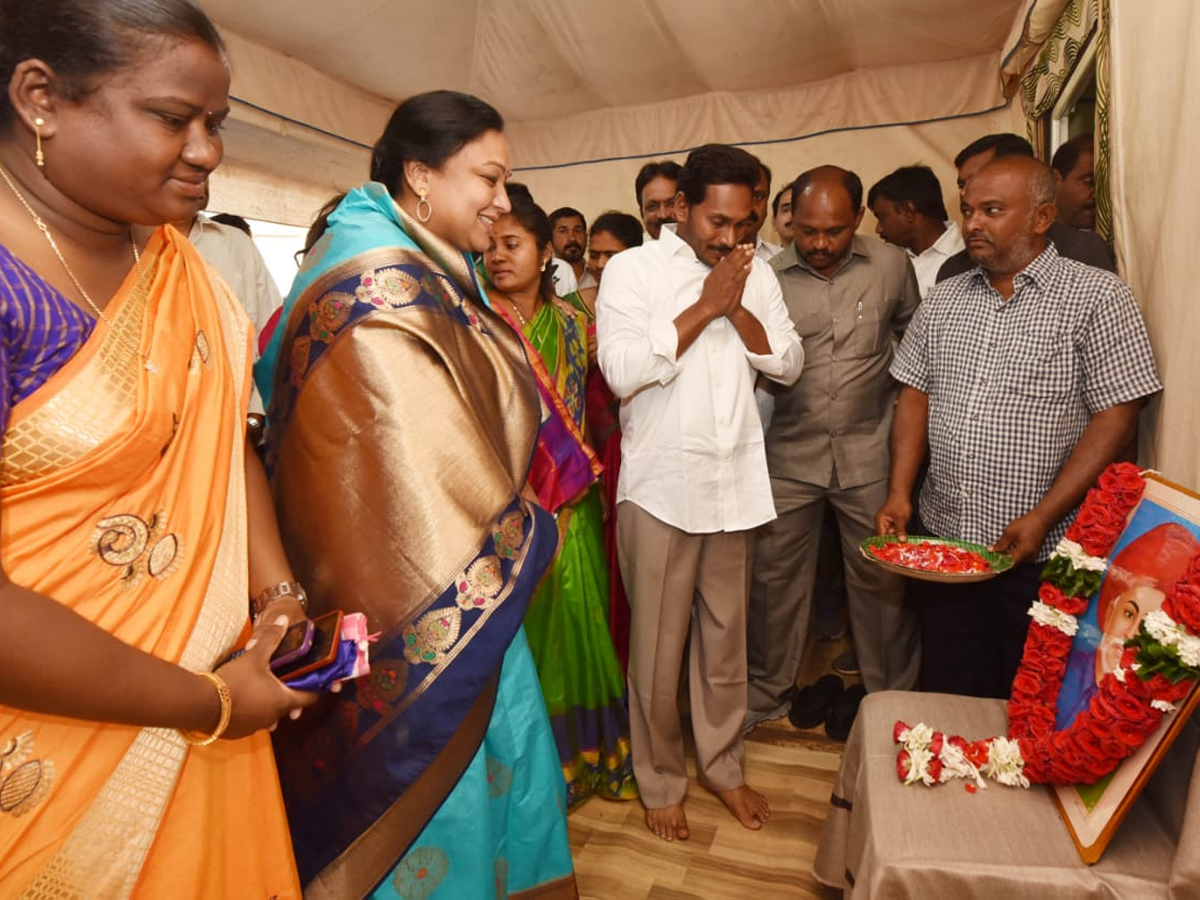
(869, 327)
(1042, 368)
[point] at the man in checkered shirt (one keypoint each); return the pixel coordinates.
(1023, 378)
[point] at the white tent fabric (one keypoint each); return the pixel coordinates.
(543, 61)
(585, 82)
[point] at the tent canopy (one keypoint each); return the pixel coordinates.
(314, 82)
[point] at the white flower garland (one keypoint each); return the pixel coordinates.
(1054, 618)
(1170, 633)
(1079, 557)
(956, 765)
(1005, 763)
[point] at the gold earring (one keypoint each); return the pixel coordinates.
(39, 157)
(428, 207)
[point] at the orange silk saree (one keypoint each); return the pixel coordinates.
(122, 496)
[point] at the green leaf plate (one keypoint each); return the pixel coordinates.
(999, 562)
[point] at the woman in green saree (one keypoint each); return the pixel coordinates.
(567, 621)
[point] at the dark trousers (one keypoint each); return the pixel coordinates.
(973, 635)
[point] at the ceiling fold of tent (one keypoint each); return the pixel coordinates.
(587, 81)
(543, 61)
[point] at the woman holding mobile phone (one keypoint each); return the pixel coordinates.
(403, 408)
(128, 766)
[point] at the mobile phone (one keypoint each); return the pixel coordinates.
(297, 641)
(327, 635)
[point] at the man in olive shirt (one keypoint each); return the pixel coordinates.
(849, 296)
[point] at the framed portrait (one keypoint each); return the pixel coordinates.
(1158, 543)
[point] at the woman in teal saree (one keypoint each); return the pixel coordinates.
(567, 621)
(403, 419)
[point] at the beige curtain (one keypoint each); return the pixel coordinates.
(1155, 141)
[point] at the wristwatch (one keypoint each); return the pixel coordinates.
(283, 589)
(256, 428)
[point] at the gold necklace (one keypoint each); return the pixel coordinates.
(45, 230)
(512, 304)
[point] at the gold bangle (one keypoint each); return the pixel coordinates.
(273, 593)
(226, 712)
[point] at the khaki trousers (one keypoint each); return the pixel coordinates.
(785, 568)
(682, 584)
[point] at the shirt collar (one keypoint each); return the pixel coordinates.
(759, 243)
(789, 257)
(1039, 272)
(1041, 268)
(201, 224)
(671, 244)
(950, 241)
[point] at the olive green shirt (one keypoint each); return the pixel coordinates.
(839, 412)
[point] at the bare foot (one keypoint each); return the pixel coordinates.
(748, 806)
(668, 822)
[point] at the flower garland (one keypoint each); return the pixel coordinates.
(1157, 669)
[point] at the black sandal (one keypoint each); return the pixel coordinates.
(812, 704)
(845, 708)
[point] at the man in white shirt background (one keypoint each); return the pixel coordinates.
(781, 215)
(569, 237)
(910, 213)
(655, 187)
(764, 250)
(684, 326)
(233, 254)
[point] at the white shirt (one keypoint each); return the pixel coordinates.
(692, 442)
(926, 264)
(564, 277)
(231, 252)
(764, 250)
(234, 255)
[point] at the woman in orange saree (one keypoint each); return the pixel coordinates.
(127, 508)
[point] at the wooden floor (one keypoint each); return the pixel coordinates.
(617, 858)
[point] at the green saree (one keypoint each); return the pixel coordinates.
(567, 620)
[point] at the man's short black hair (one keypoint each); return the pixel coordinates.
(667, 168)
(566, 212)
(1004, 144)
(766, 171)
(716, 164)
(851, 182)
(1067, 156)
(235, 221)
(912, 184)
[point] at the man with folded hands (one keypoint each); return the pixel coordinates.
(684, 326)
(1022, 379)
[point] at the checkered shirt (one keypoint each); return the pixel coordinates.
(1012, 386)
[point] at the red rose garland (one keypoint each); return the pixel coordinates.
(1157, 669)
